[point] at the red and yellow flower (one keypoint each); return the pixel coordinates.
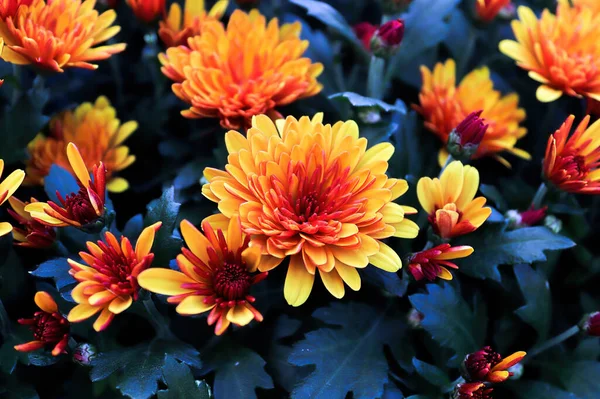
(109, 283)
(78, 209)
(472, 390)
(229, 74)
(216, 274)
(97, 133)
(487, 10)
(444, 105)
(58, 34)
(50, 328)
(573, 163)
(591, 4)
(313, 192)
(487, 365)
(434, 262)
(449, 201)
(8, 187)
(176, 29)
(559, 51)
(30, 233)
(8, 8)
(147, 10)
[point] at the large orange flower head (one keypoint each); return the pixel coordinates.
(8, 187)
(449, 201)
(312, 191)
(217, 272)
(488, 9)
(179, 26)
(444, 105)
(58, 34)
(573, 164)
(8, 8)
(560, 51)
(593, 5)
(147, 10)
(232, 75)
(98, 134)
(108, 284)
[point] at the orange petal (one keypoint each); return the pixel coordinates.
(45, 302)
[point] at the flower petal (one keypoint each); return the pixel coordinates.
(45, 302)
(193, 304)
(164, 281)
(298, 282)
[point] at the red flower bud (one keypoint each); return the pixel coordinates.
(591, 324)
(472, 390)
(364, 31)
(487, 365)
(386, 40)
(532, 216)
(464, 140)
(84, 354)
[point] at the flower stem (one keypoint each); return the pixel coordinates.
(554, 341)
(16, 94)
(156, 319)
(448, 161)
(375, 85)
(536, 203)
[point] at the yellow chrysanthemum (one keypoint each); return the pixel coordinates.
(233, 75)
(560, 51)
(444, 105)
(8, 187)
(58, 34)
(179, 26)
(97, 133)
(315, 193)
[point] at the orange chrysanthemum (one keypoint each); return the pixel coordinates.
(232, 75)
(560, 51)
(488, 9)
(450, 200)
(593, 5)
(30, 233)
(8, 187)
(216, 274)
(315, 193)
(147, 10)
(58, 34)
(109, 283)
(98, 134)
(176, 29)
(573, 164)
(8, 8)
(443, 105)
(434, 262)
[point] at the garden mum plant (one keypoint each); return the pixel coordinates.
(299, 199)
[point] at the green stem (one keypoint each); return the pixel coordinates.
(539, 196)
(448, 161)
(375, 85)
(16, 94)
(553, 342)
(156, 319)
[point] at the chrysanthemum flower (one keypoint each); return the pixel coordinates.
(99, 136)
(559, 51)
(488, 9)
(109, 283)
(217, 272)
(444, 106)
(176, 29)
(8, 8)
(8, 187)
(147, 10)
(315, 193)
(487, 365)
(472, 390)
(59, 34)
(593, 5)
(232, 75)
(50, 328)
(79, 209)
(30, 233)
(573, 163)
(449, 201)
(433, 262)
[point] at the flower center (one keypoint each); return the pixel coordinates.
(116, 270)
(232, 281)
(80, 207)
(480, 363)
(48, 327)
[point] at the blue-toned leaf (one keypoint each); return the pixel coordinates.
(431, 373)
(180, 382)
(58, 270)
(392, 392)
(387, 281)
(165, 210)
(61, 180)
(358, 101)
(581, 378)
(537, 311)
(539, 390)
(492, 193)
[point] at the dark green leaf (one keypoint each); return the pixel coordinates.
(13, 388)
(11, 337)
(134, 226)
(491, 193)
(42, 358)
(539, 390)
(450, 320)
(390, 282)
(581, 378)
(431, 373)
(537, 311)
(164, 210)
(58, 270)
(180, 381)
(358, 101)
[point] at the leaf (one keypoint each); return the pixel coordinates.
(180, 382)
(450, 320)
(61, 180)
(581, 378)
(492, 193)
(58, 270)
(392, 392)
(537, 311)
(431, 373)
(134, 226)
(140, 367)
(495, 246)
(13, 388)
(164, 210)
(8, 355)
(355, 349)
(238, 370)
(390, 282)
(538, 390)
(190, 174)
(358, 101)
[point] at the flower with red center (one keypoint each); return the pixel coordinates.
(449, 201)
(8, 8)
(248, 74)
(58, 34)
(50, 328)
(83, 209)
(472, 390)
(487, 10)
(109, 284)
(216, 274)
(147, 10)
(313, 192)
(559, 51)
(176, 29)
(444, 105)
(364, 32)
(487, 365)
(8, 187)
(464, 140)
(433, 262)
(573, 163)
(591, 324)
(30, 233)
(386, 40)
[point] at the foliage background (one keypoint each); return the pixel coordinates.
(513, 293)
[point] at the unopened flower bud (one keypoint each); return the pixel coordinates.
(487, 10)
(465, 138)
(364, 32)
(386, 40)
(414, 318)
(553, 223)
(516, 371)
(84, 354)
(514, 219)
(369, 115)
(530, 217)
(590, 324)
(394, 6)
(488, 365)
(508, 12)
